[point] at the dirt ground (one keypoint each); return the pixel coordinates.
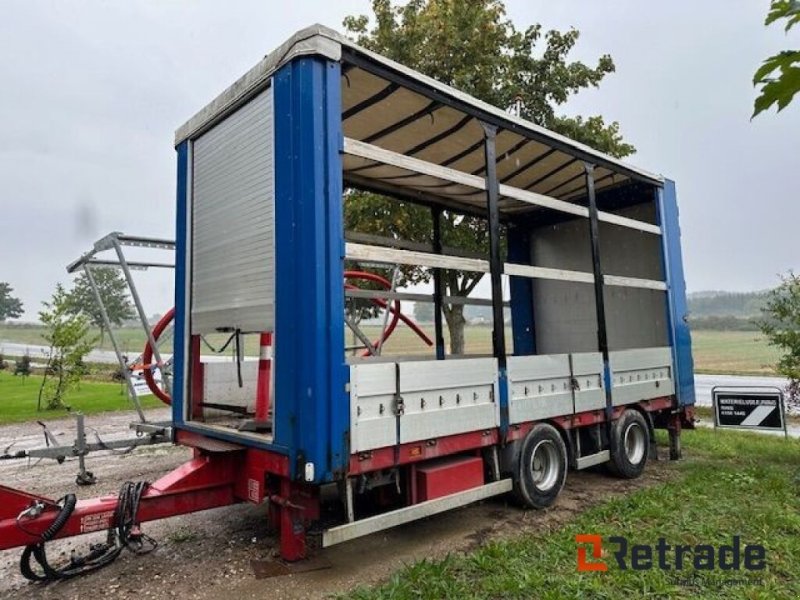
(207, 555)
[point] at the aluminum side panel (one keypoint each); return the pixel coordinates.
(372, 406)
(587, 371)
(540, 387)
(448, 397)
(641, 374)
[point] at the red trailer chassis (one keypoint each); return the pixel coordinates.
(221, 473)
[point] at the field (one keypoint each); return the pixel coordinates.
(715, 352)
(18, 399)
(733, 352)
(731, 484)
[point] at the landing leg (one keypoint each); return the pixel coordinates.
(297, 507)
(674, 429)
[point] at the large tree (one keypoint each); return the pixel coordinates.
(10, 306)
(472, 46)
(114, 292)
(779, 76)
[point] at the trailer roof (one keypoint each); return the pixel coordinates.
(389, 107)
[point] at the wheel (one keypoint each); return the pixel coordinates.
(541, 467)
(630, 445)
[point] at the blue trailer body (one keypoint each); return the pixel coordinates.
(316, 410)
(679, 334)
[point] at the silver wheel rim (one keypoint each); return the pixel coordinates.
(545, 465)
(634, 441)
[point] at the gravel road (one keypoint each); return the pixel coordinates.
(208, 555)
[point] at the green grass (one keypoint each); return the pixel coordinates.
(730, 484)
(18, 399)
(733, 352)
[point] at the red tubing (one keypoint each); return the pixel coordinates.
(394, 309)
(147, 356)
(397, 314)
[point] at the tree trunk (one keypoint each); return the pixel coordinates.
(454, 315)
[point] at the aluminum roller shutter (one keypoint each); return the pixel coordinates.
(233, 222)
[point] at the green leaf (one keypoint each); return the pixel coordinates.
(778, 90)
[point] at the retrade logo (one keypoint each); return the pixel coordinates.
(667, 557)
(596, 542)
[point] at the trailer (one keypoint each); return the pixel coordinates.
(338, 436)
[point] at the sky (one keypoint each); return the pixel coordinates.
(92, 93)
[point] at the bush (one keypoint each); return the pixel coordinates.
(23, 366)
(3, 362)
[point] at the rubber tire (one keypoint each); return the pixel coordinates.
(525, 490)
(620, 465)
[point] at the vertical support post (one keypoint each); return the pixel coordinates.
(674, 429)
(680, 338)
(196, 410)
(436, 215)
(311, 396)
(123, 367)
(599, 300)
(496, 268)
(84, 477)
(183, 373)
(495, 260)
(263, 390)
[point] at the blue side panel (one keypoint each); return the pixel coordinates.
(311, 403)
(519, 251)
(679, 334)
(181, 307)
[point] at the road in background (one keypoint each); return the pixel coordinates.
(704, 383)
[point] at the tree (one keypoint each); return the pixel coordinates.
(782, 88)
(114, 292)
(782, 328)
(66, 332)
(10, 307)
(472, 46)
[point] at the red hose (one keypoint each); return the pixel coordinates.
(397, 316)
(147, 357)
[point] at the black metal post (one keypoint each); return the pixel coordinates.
(495, 260)
(436, 214)
(599, 300)
(600, 307)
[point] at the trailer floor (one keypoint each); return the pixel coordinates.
(207, 555)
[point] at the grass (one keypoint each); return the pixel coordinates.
(18, 399)
(733, 352)
(730, 484)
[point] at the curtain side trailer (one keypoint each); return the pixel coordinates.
(590, 349)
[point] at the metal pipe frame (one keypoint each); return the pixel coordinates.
(140, 309)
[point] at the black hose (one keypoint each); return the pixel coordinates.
(123, 534)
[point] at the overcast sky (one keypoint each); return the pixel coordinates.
(92, 93)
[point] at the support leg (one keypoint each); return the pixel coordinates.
(674, 429)
(298, 508)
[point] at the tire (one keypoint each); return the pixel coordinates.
(630, 445)
(540, 468)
